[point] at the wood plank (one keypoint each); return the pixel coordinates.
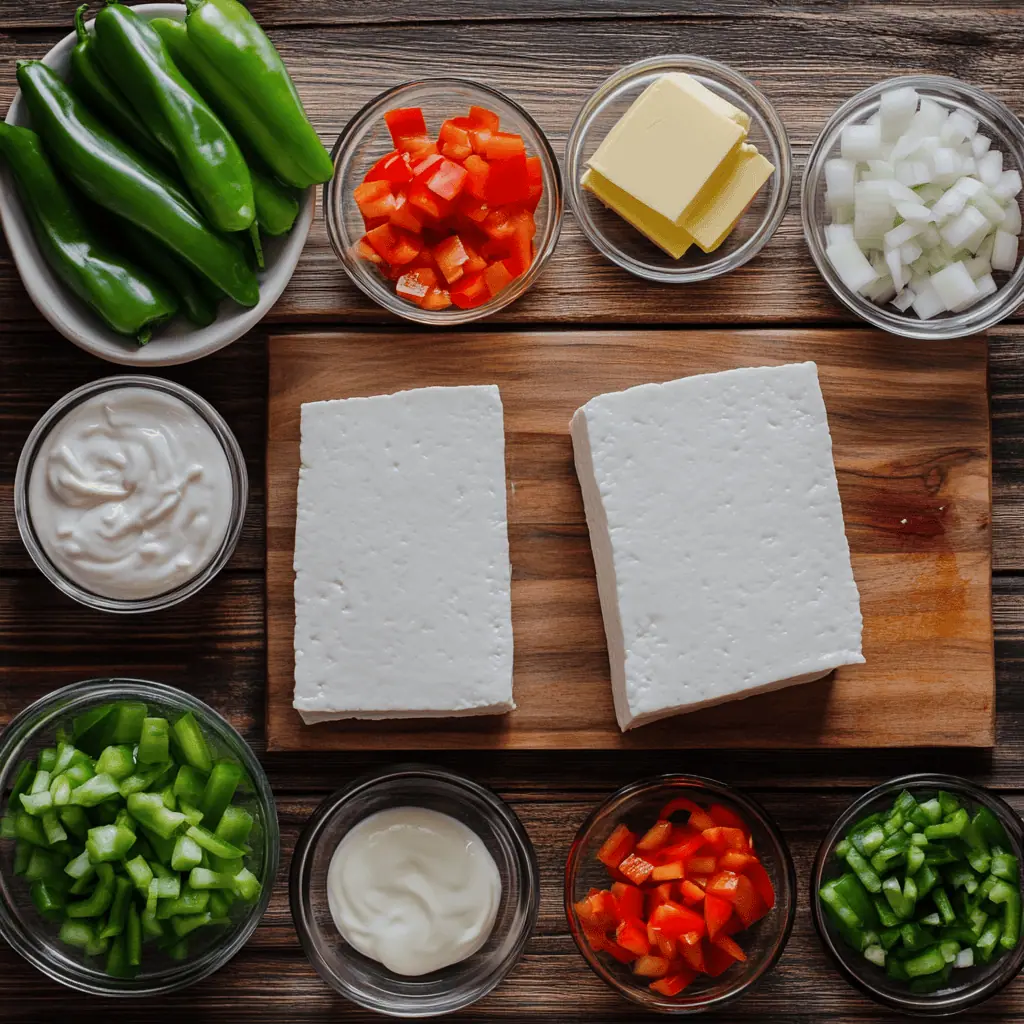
(916, 506)
(789, 51)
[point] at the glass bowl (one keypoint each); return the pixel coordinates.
(978, 983)
(1007, 133)
(637, 805)
(35, 938)
(621, 242)
(23, 476)
(365, 139)
(367, 982)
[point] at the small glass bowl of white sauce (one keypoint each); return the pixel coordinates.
(130, 493)
(458, 817)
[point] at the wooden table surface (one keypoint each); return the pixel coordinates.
(808, 56)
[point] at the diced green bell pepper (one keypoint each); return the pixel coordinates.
(119, 909)
(148, 810)
(154, 743)
(187, 854)
(192, 743)
(109, 843)
(189, 785)
(102, 896)
(92, 793)
(219, 791)
(116, 761)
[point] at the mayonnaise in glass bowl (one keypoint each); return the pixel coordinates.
(130, 494)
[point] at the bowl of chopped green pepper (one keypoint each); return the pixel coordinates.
(916, 894)
(138, 838)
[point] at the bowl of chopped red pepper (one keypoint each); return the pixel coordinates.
(680, 893)
(446, 200)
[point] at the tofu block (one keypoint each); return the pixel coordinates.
(402, 596)
(666, 146)
(717, 531)
(660, 230)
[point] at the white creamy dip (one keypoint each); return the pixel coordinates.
(413, 889)
(130, 493)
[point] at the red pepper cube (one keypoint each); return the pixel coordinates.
(698, 817)
(394, 168)
(448, 180)
(474, 265)
(535, 176)
(416, 284)
(507, 181)
(631, 934)
(674, 983)
(365, 251)
(503, 146)
(419, 147)
(481, 117)
(374, 199)
(497, 277)
(395, 246)
(692, 952)
(762, 883)
(437, 298)
(405, 123)
(428, 202)
(470, 291)
(520, 256)
(405, 216)
(454, 141)
(423, 169)
(451, 257)
(651, 966)
(479, 171)
(716, 913)
(730, 946)
(474, 209)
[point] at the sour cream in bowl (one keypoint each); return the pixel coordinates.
(130, 493)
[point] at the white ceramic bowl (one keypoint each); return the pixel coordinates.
(179, 341)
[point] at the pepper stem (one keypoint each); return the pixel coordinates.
(80, 23)
(257, 245)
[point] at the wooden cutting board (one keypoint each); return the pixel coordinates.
(910, 428)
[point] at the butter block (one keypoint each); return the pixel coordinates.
(666, 146)
(660, 230)
(715, 520)
(714, 213)
(717, 103)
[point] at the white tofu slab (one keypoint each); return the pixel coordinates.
(402, 606)
(714, 515)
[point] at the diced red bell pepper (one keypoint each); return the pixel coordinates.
(747, 903)
(479, 171)
(404, 123)
(535, 176)
(423, 170)
(475, 209)
(659, 894)
(503, 145)
(498, 278)
(655, 837)
(397, 247)
(520, 256)
(598, 910)
(733, 860)
(454, 141)
(470, 291)
(374, 199)
(762, 883)
(702, 864)
(674, 983)
(416, 285)
(629, 900)
(481, 117)
(395, 168)
(448, 180)
(635, 868)
(616, 847)
(730, 946)
(650, 966)
(666, 947)
(451, 257)
(365, 251)
(666, 872)
(726, 817)
(673, 919)
(474, 265)
(724, 884)
(716, 912)
(479, 137)
(690, 892)
(631, 934)
(721, 839)
(692, 954)
(623, 955)
(716, 960)
(699, 818)
(436, 298)
(595, 937)
(419, 147)
(404, 215)
(682, 849)
(507, 181)
(428, 202)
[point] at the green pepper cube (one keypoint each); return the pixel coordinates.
(154, 743)
(192, 743)
(219, 791)
(187, 854)
(109, 843)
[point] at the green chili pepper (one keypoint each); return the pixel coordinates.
(206, 155)
(127, 299)
(276, 205)
(250, 81)
(114, 177)
(92, 83)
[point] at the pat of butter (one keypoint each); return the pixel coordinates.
(717, 103)
(666, 146)
(721, 203)
(660, 230)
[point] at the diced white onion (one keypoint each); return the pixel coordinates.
(963, 226)
(861, 142)
(927, 303)
(954, 286)
(838, 233)
(896, 109)
(1004, 251)
(851, 265)
(979, 146)
(840, 177)
(990, 168)
(1007, 187)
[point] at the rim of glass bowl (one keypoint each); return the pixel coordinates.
(335, 200)
(934, 1005)
(42, 716)
(505, 818)
(613, 806)
(979, 103)
(781, 181)
(23, 475)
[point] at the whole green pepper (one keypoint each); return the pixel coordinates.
(92, 83)
(114, 177)
(128, 300)
(276, 204)
(250, 80)
(208, 158)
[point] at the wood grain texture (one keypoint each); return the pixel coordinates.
(911, 445)
(789, 49)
